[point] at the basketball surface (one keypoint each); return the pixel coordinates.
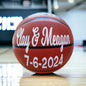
(43, 43)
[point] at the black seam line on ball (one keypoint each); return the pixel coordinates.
(42, 47)
(42, 19)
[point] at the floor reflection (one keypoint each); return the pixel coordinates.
(44, 80)
(10, 74)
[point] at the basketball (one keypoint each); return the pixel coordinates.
(43, 43)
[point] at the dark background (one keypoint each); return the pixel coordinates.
(6, 36)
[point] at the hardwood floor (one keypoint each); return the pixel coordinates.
(13, 74)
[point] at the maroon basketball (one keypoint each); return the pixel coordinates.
(43, 43)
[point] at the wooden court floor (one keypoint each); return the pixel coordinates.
(13, 74)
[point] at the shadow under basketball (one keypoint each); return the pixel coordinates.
(44, 80)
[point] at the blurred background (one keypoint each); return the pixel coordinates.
(12, 12)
